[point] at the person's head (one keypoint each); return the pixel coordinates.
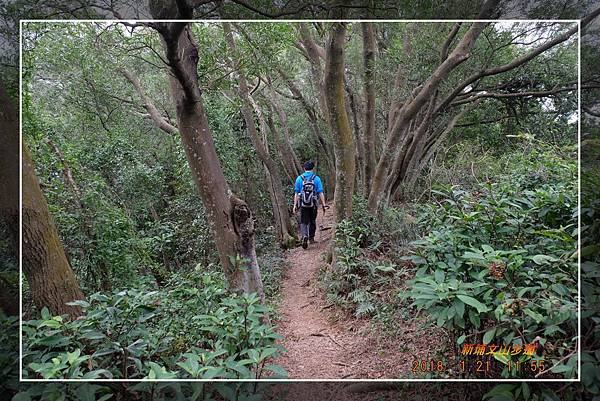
(309, 166)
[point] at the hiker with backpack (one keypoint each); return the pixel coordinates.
(308, 194)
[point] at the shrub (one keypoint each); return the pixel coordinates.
(358, 274)
(9, 355)
(500, 264)
(185, 330)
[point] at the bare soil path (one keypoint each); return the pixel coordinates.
(319, 348)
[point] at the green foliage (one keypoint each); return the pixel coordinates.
(590, 266)
(164, 391)
(139, 212)
(524, 392)
(273, 265)
(9, 353)
(500, 265)
(185, 330)
(362, 267)
(349, 280)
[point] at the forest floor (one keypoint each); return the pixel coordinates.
(323, 342)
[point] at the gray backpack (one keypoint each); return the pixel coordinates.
(308, 196)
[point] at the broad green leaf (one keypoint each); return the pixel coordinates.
(473, 255)
(277, 370)
(22, 396)
(439, 276)
(227, 391)
(82, 303)
(525, 390)
(536, 316)
(489, 336)
(561, 369)
(501, 390)
(213, 372)
(481, 308)
(543, 259)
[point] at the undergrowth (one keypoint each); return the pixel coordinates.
(191, 328)
(490, 262)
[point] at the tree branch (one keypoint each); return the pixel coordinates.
(155, 115)
(515, 63)
(449, 40)
(499, 95)
(262, 13)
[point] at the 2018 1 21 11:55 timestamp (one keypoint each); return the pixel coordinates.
(486, 366)
(477, 366)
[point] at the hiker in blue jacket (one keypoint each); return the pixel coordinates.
(308, 193)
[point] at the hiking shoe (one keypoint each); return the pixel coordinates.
(312, 240)
(304, 242)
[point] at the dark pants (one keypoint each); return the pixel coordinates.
(308, 222)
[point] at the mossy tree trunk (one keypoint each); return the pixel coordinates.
(229, 216)
(326, 156)
(50, 278)
(343, 139)
(369, 47)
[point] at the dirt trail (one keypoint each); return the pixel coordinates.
(316, 347)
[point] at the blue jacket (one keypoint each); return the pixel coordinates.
(308, 174)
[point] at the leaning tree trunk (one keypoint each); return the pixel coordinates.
(345, 161)
(290, 171)
(45, 264)
(369, 91)
(9, 195)
(323, 145)
(287, 149)
(283, 221)
(429, 142)
(314, 53)
(286, 235)
(229, 217)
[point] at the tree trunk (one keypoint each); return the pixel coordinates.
(280, 209)
(286, 161)
(313, 120)
(229, 217)
(396, 166)
(433, 141)
(369, 90)
(287, 226)
(353, 110)
(287, 146)
(9, 195)
(45, 263)
(153, 112)
(314, 53)
(345, 167)
(411, 149)
(410, 152)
